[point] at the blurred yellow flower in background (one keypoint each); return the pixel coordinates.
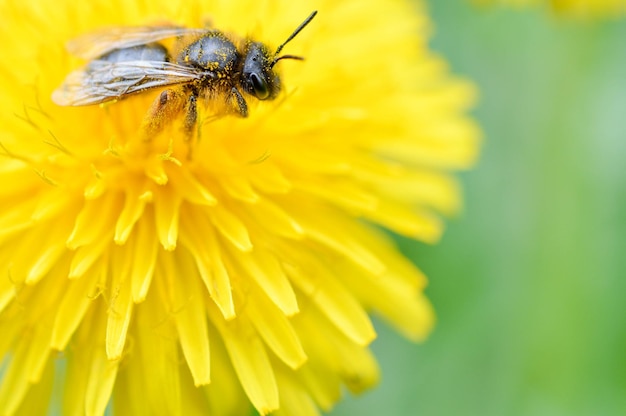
(583, 8)
(177, 282)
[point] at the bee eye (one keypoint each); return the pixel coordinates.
(261, 90)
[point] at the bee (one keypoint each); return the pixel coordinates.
(202, 64)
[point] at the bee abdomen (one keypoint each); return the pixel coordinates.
(150, 52)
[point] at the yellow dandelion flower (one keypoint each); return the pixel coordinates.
(174, 276)
(587, 8)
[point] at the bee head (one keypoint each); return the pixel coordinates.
(258, 76)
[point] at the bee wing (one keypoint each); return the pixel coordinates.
(103, 81)
(95, 44)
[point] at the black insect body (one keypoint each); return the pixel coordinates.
(217, 58)
(209, 65)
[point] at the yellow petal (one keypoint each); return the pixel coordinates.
(250, 361)
(323, 289)
(191, 320)
(410, 222)
(157, 351)
(15, 381)
(231, 227)
(132, 211)
(146, 251)
(37, 400)
(338, 354)
(190, 188)
(268, 178)
(320, 224)
(275, 219)
(53, 202)
(198, 238)
(346, 193)
(239, 188)
(90, 225)
(102, 373)
(121, 304)
(86, 256)
(7, 292)
(166, 213)
(226, 397)
(50, 256)
(263, 267)
(71, 311)
(275, 329)
(294, 399)
(397, 300)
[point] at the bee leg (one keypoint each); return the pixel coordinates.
(191, 116)
(191, 123)
(237, 103)
(164, 109)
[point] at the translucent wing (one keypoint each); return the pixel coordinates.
(103, 81)
(95, 44)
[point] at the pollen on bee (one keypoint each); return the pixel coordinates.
(169, 105)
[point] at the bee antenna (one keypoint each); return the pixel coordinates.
(298, 58)
(293, 35)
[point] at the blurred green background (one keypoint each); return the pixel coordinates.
(529, 282)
